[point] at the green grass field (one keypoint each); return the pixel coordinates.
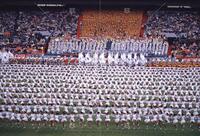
(15, 129)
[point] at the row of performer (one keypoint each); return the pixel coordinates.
(128, 45)
(112, 58)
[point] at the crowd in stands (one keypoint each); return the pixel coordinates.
(7, 21)
(31, 29)
(24, 49)
(99, 94)
(182, 23)
(182, 49)
(154, 46)
(108, 23)
(53, 23)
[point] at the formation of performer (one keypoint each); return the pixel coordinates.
(146, 46)
(111, 58)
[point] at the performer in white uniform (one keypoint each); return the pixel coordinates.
(5, 56)
(116, 59)
(143, 60)
(95, 58)
(88, 58)
(129, 59)
(81, 58)
(102, 59)
(110, 58)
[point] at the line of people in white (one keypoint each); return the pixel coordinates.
(146, 46)
(111, 58)
(78, 93)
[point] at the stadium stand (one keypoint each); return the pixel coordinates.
(180, 24)
(24, 31)
(185, 49)
(115, 24)
(7, 22)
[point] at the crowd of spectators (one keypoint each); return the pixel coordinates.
(35, 28)
(53, 23)
(182, 24)
(181, 49)
(7, 21)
